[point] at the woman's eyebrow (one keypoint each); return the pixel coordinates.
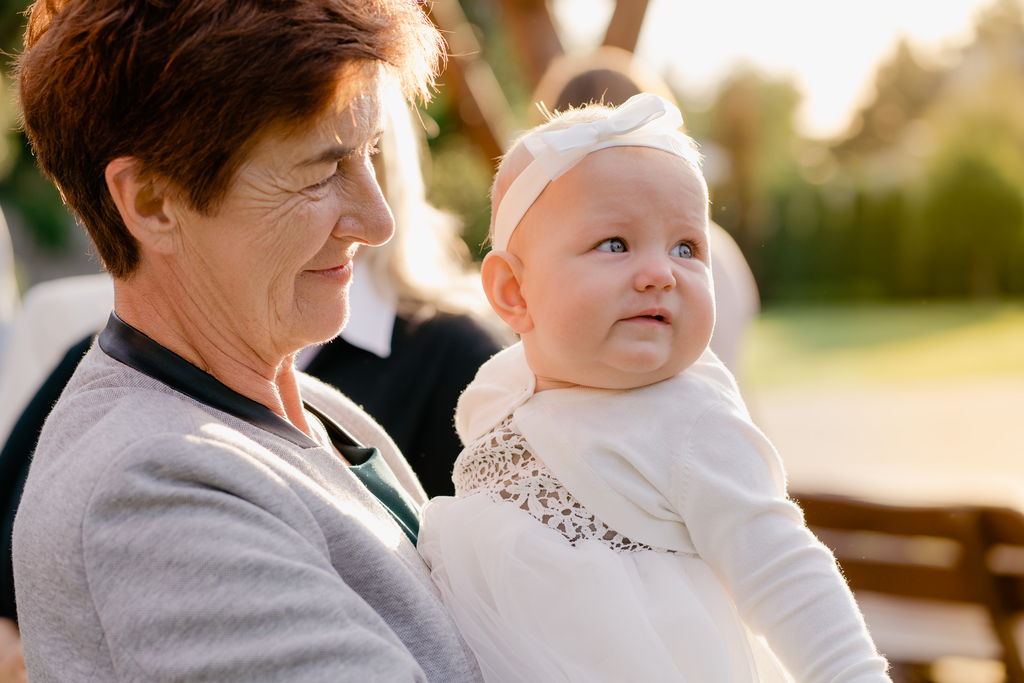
(338, 152)
(329, 154)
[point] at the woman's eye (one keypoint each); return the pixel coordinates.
(326, 181)
(682, 250)
(612, 244)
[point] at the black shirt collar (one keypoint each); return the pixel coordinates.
(124, 343)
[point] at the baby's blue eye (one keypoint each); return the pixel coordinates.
(612, 244)
(682, 250)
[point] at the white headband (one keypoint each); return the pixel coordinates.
(644, 120)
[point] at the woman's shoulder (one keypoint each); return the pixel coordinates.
(106, 395)
(112, 416)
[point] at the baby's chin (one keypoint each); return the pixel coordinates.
(609, 377)
(634, 380)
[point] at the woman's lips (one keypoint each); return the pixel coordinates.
(340, 274)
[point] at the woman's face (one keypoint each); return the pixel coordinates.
(271, 268)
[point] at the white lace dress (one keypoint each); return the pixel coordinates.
(635, 535)
(544, 591)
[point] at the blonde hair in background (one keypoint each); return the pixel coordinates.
(426, 262)
(608, 75)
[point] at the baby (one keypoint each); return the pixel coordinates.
(618, 517)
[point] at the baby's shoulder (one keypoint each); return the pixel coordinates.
(705, 387)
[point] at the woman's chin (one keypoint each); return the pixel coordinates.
(317, 325)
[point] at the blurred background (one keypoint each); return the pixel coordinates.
(866, 157)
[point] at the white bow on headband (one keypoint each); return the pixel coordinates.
(644, 120)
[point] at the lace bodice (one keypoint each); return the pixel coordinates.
(501, 465)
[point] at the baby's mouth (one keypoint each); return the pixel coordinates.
(651, 317)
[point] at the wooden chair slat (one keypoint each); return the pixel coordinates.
(963, 554)
(911, 582)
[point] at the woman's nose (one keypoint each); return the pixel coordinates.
(371, 222)
(654, 273)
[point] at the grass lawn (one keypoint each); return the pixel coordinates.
(892, 343)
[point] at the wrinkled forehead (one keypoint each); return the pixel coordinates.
(358, 105)
(355, 110)
(348, 125)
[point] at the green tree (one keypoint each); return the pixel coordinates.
(752, 122)
(904, 89)
(23, 189)
(974, 216)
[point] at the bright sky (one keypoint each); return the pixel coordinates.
(829, 47)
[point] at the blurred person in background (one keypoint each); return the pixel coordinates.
(53, 315)
(217, 514)
(611, 75)
(68, 305)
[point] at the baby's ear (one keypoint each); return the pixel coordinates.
(501, 273)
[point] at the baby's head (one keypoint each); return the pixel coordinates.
(600, 257)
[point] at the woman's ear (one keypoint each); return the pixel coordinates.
(143, 204)
(501, 273)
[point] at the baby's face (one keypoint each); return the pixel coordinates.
(616, 271)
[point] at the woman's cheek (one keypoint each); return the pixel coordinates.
(300, 237)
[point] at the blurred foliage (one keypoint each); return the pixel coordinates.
(922, 197)
(459, 181)
(751, 124)
(23, 189)
(458, 176)
(904, 88)
(885, 342)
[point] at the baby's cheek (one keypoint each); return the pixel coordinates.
(706, 317)
(573, 324)
(561, 335)
(699, 285)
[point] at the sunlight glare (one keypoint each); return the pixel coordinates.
(830, 49)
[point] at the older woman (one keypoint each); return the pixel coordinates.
(196, 509)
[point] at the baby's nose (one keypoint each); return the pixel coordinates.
(654, 273)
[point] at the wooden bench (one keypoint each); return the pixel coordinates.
(936, 557)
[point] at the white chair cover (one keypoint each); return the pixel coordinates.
(53, 316)
(8, 285)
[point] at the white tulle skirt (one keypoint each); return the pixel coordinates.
(535, 609)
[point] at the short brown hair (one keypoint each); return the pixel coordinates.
(186, 85)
